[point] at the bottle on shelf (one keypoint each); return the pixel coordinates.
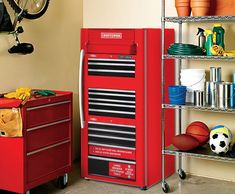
(209, 42)
(218, 35)
(201, 38)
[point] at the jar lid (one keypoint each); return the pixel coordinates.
(217, 25)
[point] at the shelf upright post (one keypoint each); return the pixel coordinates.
(180, 111)
(163, 89)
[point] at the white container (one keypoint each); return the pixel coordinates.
(192, 71)
(196, 85)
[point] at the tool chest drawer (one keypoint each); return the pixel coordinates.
(42, 114)
(48, 159)
(111, 152)
(122, 169)
(44, 135)
(112, 134)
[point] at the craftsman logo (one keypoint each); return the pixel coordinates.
(111, 35)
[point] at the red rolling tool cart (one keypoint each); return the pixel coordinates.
(120, 105)
(44, 152)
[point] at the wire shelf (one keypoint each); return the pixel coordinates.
(199, 57)
(199, 19)
(203, 152)
(199, 108)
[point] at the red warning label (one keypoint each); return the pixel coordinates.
(112, 152)
(121, 170)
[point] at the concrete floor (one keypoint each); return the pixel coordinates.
(191, 185)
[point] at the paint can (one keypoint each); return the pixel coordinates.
(211, 91)
(198, 98)
(215, 74)
(224, 95)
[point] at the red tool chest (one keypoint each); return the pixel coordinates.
(44, 152)
(120, 105)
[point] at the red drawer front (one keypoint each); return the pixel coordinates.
(48, 113)
(107, 167)
(60, 96)
(48, 134)
(112, 152)
(126, 171)
(45, 162)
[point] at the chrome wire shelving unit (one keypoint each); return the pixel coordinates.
(199, 19)
(199, 57)
(202, 152)
(199, 108)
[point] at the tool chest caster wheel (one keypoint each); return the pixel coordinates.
(62, 181)
(27, 192)
(145, 188)
(182, 174)
(165, 187)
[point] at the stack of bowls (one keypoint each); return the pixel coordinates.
(194, 80)
(200, 7)
(183, 7)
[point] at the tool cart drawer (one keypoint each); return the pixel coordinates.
(40, 115)
(46, 160)
(44, 135)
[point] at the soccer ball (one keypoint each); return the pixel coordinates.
(220, 143)
(221, 129)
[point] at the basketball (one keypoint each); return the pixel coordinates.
(200, 131)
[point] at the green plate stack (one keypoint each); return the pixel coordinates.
(184, 49)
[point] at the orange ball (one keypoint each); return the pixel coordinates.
(200, 131)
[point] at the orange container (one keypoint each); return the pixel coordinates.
(183, 7)
(222, 7)
(200, 7)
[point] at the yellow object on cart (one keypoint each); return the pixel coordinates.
(20, 93)
(11, 122)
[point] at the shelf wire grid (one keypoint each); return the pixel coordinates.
(199, 57)
(199, 108)
(201, 152)
(199, 19)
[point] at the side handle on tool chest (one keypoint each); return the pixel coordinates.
(81, 110)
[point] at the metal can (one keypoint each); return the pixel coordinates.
(215, 74)
(213, 92)
(232, 95)
(224, 96)
(218, 74)
(207, 95)
(198, 98)
(233, 77)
